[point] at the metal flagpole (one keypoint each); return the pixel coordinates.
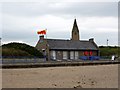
(46, 50)
(46, 34)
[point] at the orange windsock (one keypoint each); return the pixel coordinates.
(41, 32)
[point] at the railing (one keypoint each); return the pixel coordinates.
(105, 57)
(21, 59)
(25, 60)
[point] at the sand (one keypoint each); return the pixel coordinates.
(100, 76)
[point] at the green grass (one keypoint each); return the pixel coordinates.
(109, 51)
(20, 50)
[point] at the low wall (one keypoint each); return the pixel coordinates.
(58, 64)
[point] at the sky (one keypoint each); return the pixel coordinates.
(20, 21)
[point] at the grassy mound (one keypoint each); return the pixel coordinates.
(20, 50)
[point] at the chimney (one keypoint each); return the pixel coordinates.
(91, 40)
(42, 37)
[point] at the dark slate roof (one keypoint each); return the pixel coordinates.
(71, 45)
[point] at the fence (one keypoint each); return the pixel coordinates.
(21, 59)
(25, 60)
(105, 57)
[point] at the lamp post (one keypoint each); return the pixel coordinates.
(107, 42)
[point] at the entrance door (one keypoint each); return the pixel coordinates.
(59, 55)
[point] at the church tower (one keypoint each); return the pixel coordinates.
(75, 31)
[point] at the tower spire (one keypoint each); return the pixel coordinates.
(75, 23)
(75, 31)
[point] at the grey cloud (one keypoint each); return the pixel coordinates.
(13, 32)
(100, 38)
(14, 35)
(19, 35)
(32, 38)
(76, 9)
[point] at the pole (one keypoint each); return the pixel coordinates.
(107, 42)
(46, 34)
(46, 50)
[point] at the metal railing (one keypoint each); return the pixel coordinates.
(25, 60)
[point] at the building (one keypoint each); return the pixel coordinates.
(58, 49)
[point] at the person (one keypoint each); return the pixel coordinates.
(113, 57)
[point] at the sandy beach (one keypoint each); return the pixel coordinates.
(100, 76)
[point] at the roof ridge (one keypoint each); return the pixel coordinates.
(84, 40)
(67, 40)
(59, 39)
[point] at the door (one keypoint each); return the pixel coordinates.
(59, 55)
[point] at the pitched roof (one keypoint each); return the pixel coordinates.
(71, 44)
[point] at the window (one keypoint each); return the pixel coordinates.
(53, 55)
(64, 54)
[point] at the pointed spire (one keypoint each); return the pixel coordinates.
(75, 25)
(75, 22)
(75, 31)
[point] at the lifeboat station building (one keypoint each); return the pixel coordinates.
(73, 49)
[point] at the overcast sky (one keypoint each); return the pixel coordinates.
(22, 20)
